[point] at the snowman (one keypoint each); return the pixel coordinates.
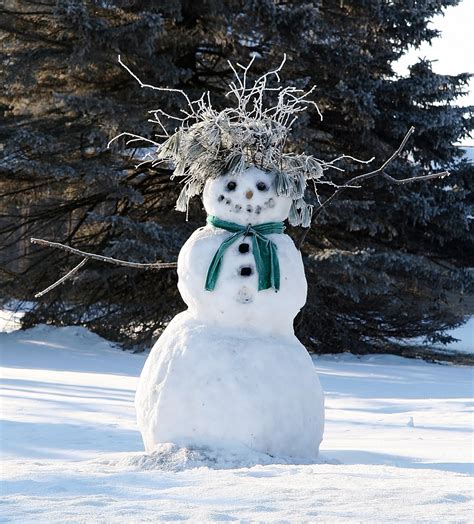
(229, 370)
(229, 373)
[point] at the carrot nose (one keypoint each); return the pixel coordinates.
(249, 194)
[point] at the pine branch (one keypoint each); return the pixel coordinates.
(371, 174)
(89, 256)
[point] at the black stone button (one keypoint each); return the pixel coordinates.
(246, 271)
(244, 248)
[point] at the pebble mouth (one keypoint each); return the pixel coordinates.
(249, 207)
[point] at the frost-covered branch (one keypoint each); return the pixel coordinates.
(93, 256)
(133, 138)
(156, 88)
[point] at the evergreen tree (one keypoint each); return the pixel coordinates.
(382, 262)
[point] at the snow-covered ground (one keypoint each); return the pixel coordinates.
(398, 444)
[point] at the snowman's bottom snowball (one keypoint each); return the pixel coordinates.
(169, 457)
(203, 385)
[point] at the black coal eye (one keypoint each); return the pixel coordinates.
(231, 185)
(261, 186)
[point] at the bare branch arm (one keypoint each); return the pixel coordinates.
(371, 174)
(89, 256)
(102, 258)
(404, 181)
(366, 176)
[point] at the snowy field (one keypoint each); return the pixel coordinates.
(398, 444)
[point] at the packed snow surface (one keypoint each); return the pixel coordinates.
(397, 444)
(205, 386)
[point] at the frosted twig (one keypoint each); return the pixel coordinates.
(171, 117)
(134, 138)
(349, 157)
(371, 174)
(150, 86)
(258, 88)
(88, 256)
(62, 279)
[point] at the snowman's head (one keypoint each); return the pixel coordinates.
(247, 198)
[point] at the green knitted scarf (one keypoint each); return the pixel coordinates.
(264, 251)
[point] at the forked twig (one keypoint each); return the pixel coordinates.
(102, 258)
(156, 88)
(93, 256)
(371, 174)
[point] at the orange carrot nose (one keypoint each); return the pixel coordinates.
(249, 194)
